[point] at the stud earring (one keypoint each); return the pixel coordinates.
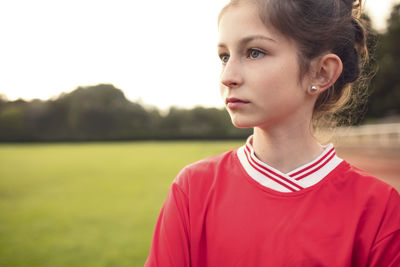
(314, 88)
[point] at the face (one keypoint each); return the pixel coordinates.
(260, 81)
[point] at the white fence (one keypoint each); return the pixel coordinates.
(372, 134)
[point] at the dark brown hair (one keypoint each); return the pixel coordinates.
(317, 27)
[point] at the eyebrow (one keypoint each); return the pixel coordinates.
(245, 40)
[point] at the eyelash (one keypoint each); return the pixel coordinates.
(248, 54)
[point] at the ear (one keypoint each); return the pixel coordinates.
(327, 71)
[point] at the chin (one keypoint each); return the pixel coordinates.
(241, 122)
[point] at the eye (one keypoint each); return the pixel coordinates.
(255, 53)
(224, 58)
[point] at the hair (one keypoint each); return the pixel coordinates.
(318, 27)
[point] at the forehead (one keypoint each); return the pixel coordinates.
(243, 20)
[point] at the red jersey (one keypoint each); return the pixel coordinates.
(234, 210)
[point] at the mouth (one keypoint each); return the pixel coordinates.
(233, 102)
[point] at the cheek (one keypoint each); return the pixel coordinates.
(267, 85)
(278, 80)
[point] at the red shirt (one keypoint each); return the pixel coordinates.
(220, 212)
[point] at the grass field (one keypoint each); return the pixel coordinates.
(96, 204)
(89, 204)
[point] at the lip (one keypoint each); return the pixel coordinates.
(233, 102)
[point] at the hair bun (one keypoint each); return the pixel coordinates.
(359, 36)
(356, 8)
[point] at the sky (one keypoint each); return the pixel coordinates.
(161, 53)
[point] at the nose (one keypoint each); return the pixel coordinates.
(231, 74)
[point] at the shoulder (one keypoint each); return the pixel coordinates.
(360, 188)
(376, 206)
(360, 180)
(375, 203)
(211, 163)
(204, 172)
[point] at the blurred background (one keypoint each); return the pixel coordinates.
(103, 102)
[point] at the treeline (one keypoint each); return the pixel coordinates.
(102, 112)
(385, 86)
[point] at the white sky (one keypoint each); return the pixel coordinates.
(161, 52)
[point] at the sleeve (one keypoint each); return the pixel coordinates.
(170, 244)
(386, 250)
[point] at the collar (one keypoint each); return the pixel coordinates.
(293, 181)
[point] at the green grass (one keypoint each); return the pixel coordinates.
(88, 204)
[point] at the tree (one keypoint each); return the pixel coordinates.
(385, 97)
(12, 121)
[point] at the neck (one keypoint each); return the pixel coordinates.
(286, 149)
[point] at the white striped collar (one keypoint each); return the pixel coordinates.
(296, 180)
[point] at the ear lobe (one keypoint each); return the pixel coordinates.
(328, 71)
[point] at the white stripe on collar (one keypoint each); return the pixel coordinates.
(296, 180)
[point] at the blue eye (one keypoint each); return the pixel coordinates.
(254, 53)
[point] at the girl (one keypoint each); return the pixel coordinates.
(282, 199)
